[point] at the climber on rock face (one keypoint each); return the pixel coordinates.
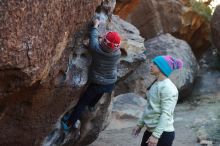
(102, 74)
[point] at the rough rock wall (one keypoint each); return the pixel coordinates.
(33, 37)
(215, 28)
(154, 17)
(123, 10)
(33, 61)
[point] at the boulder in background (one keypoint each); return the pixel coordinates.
(164, 44)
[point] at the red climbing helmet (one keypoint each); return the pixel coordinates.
(112, 40)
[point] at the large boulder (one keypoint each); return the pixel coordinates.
(33, 36)
(126, 109)
(207, 83)
(44, 65)
(154, 17)
(215, 28)
(34, 56)
(135, 103)
(165, 44)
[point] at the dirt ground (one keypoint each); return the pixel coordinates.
(198, 118)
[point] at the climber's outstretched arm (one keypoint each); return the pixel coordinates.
(93, 35)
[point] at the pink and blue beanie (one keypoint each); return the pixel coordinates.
(167, 64)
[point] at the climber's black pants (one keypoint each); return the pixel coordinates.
(166, 138)
(90, 97)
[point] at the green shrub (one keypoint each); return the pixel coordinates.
(201, 9)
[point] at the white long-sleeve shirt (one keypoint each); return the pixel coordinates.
(158, 114)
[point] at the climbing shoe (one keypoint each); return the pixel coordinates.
(67, 126)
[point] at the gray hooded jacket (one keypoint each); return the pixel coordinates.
(103, 69)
